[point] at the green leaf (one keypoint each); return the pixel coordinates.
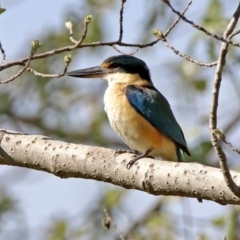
(2, 10)
(59, 230)
(6, 204)
(200, 84)
(156, 220)
(112, 198)
(219, 222)
(202, 236)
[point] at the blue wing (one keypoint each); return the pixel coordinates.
(154, 107)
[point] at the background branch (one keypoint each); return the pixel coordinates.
(108, 220)
(4, 61)
(20, 72)
(121, 21)
(188, 58)
(162, 37)
(200, 28)
(177, 21)
(231, 146)
(71, 47)
(38, 74)
(214, 106)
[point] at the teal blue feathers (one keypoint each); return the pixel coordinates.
(154, 107)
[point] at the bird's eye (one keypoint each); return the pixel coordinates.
(114, 65)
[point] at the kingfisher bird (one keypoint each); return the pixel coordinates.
(136, 110)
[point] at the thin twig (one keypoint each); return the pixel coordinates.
(72, 39)
(232, 123)
(20, 72)
(234, 34)
(83, 35)
(79, 44)
(107, 220)
(3, 54)
(216, 142)
(38, 74)
(176, 22)
(200, 28)
(231, 146)
(69, 25)
(121, 21)
(118, 50)
(121, 52)
(132, 53)
(26, 67)
(187, 57)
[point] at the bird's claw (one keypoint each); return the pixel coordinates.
(131, 162)
(138, 156)
(135, 157)
(119, 152)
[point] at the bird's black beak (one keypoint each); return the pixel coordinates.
(93, 72)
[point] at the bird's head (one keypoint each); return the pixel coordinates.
(120, 69)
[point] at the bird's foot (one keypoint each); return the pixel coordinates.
(118, 152)
(137, 157)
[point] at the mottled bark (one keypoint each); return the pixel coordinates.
(67, 160)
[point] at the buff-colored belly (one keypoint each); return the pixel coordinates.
(135, 131)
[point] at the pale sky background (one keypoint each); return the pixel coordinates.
(43, 196)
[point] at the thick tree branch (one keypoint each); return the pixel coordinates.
(214, 106)
(155, 177)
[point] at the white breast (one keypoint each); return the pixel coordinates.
(123, 118)
(116, 105)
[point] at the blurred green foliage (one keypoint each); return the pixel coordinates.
(7, 204)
